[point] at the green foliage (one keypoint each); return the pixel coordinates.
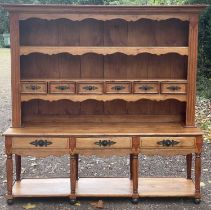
(204, 86)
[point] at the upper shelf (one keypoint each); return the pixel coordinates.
(103, 97)
(77, 50)
(129, 13)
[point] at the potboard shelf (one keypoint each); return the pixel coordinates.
(104, 187)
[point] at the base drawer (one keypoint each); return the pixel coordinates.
(167, 142)
(40, 142)
(104, 143)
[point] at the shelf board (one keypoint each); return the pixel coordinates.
(55, 187)
(101, 80)
(104, 187)
(78, 50)
(103, 97)
(102, 129)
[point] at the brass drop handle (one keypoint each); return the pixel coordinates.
(118, 87)
(62, 87)
(146, 87)
(33, 87)
(105, 143)
(168, 143)
(41, 143)
(90, 87)
(174, 87)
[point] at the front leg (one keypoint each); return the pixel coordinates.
(9, 169)
(73, 178)
(197, 178)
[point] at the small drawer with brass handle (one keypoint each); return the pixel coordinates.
(90, 87)
(118, 87)
(34, 87)
(62, 87)
(146, 87)
(167, 142)
(104, 143)
(39, 143)
(171, 87)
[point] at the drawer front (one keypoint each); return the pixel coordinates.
(167, 142)
(34, 87)
(90, 88)
(104, 143)
(143, 87)
(40, 143)
(62, 87)
(173, 88)
(118, 87)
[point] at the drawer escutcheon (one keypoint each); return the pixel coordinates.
(146, 87)
(41, 143)
(62, 87)
(168, 143)
(105, 143)
(174, 88)
(89, 87)
(33, 87)
(118, 87)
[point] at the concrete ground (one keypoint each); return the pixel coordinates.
(95, 166)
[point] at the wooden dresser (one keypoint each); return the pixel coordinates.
(103, 80)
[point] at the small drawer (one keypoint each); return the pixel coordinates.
(34, 87)
(167, 142)
(118, 87)
(39, 143)
(173, 87)
(146, 87)
(90, 88)
(62, 87)
(104, 143)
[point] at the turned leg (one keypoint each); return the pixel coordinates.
(9, 169)
(197, 177)
(131, 168)
(18, 167)
(135, 195)
(189, 165)
(73, 178)
(77, 156)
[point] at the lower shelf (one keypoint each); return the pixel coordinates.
(104, 187)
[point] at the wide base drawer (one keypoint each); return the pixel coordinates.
(40, 143)
(104, 143)
(167, 142)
